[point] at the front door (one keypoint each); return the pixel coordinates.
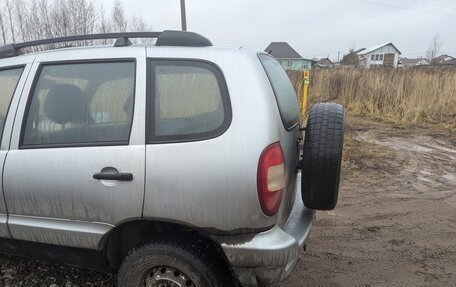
(76, 164)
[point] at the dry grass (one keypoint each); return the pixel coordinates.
(413, 96)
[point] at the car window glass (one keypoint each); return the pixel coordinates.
(8, 82)
(81, 104)
(283, 90)
(188, 100)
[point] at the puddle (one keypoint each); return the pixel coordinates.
(450, 177)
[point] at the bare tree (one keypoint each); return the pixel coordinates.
(351, 58)
(104, 26)
(137, 24)
(3, 24)
(61, 17)
(27, 20)
(119, 20)
(9, 10)
(434, 49)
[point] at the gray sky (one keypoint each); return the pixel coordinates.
(314, 28)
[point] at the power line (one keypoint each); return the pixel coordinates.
(404, 8)
(433, 4)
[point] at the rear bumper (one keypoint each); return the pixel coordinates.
(268, 257)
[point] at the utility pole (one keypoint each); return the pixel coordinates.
(183, 16)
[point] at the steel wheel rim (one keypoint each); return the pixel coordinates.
(165, 276)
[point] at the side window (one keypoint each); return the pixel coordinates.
(283, 90)
(8, 82)
(80, 104)
(372, 57)
(189, 101)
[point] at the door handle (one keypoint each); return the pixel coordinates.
(120, 176)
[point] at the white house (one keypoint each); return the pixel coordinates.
(382, 55)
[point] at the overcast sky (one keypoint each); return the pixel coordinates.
(317, 28)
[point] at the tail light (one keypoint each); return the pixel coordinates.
(271, 179)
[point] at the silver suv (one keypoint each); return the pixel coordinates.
(173, 164)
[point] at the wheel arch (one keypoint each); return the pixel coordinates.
(117, 244)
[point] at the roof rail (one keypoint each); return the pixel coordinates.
(165, 38)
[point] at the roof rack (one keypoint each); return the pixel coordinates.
(165, 38)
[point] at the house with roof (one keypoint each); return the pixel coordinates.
(288, 57)
(324, 63)
(448, 63)
(410, 63)
(444, 60)
(382, 55)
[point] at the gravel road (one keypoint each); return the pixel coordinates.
(395, 224)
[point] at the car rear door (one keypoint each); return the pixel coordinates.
(76, 163)
(13, 73)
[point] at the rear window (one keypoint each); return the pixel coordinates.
(189, 101)
(283, 90)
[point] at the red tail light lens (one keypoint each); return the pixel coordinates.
(271, 179)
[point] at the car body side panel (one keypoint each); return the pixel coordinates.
(212, 183)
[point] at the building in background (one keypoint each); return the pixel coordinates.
(444, 60)
(383, 55)
(410, 63)
(324, 63)
(288, 57)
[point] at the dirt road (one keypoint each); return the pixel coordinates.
(395, 224)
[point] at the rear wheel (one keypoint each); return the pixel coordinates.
(322, 156)
(173, 262)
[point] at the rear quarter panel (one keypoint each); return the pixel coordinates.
(212, 183)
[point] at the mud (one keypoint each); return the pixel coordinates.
(395, 224)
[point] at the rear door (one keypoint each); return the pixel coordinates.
(189, 110)
(76, 164)
(12, 77)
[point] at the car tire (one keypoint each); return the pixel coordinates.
(322, 156)
(172, 259)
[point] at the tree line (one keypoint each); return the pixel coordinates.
(28, 20)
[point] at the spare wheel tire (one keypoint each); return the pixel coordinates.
(322, 156)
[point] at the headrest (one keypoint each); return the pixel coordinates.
(67, 103)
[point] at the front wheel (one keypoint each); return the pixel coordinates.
(174, 263)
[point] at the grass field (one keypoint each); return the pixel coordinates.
(412, 96)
